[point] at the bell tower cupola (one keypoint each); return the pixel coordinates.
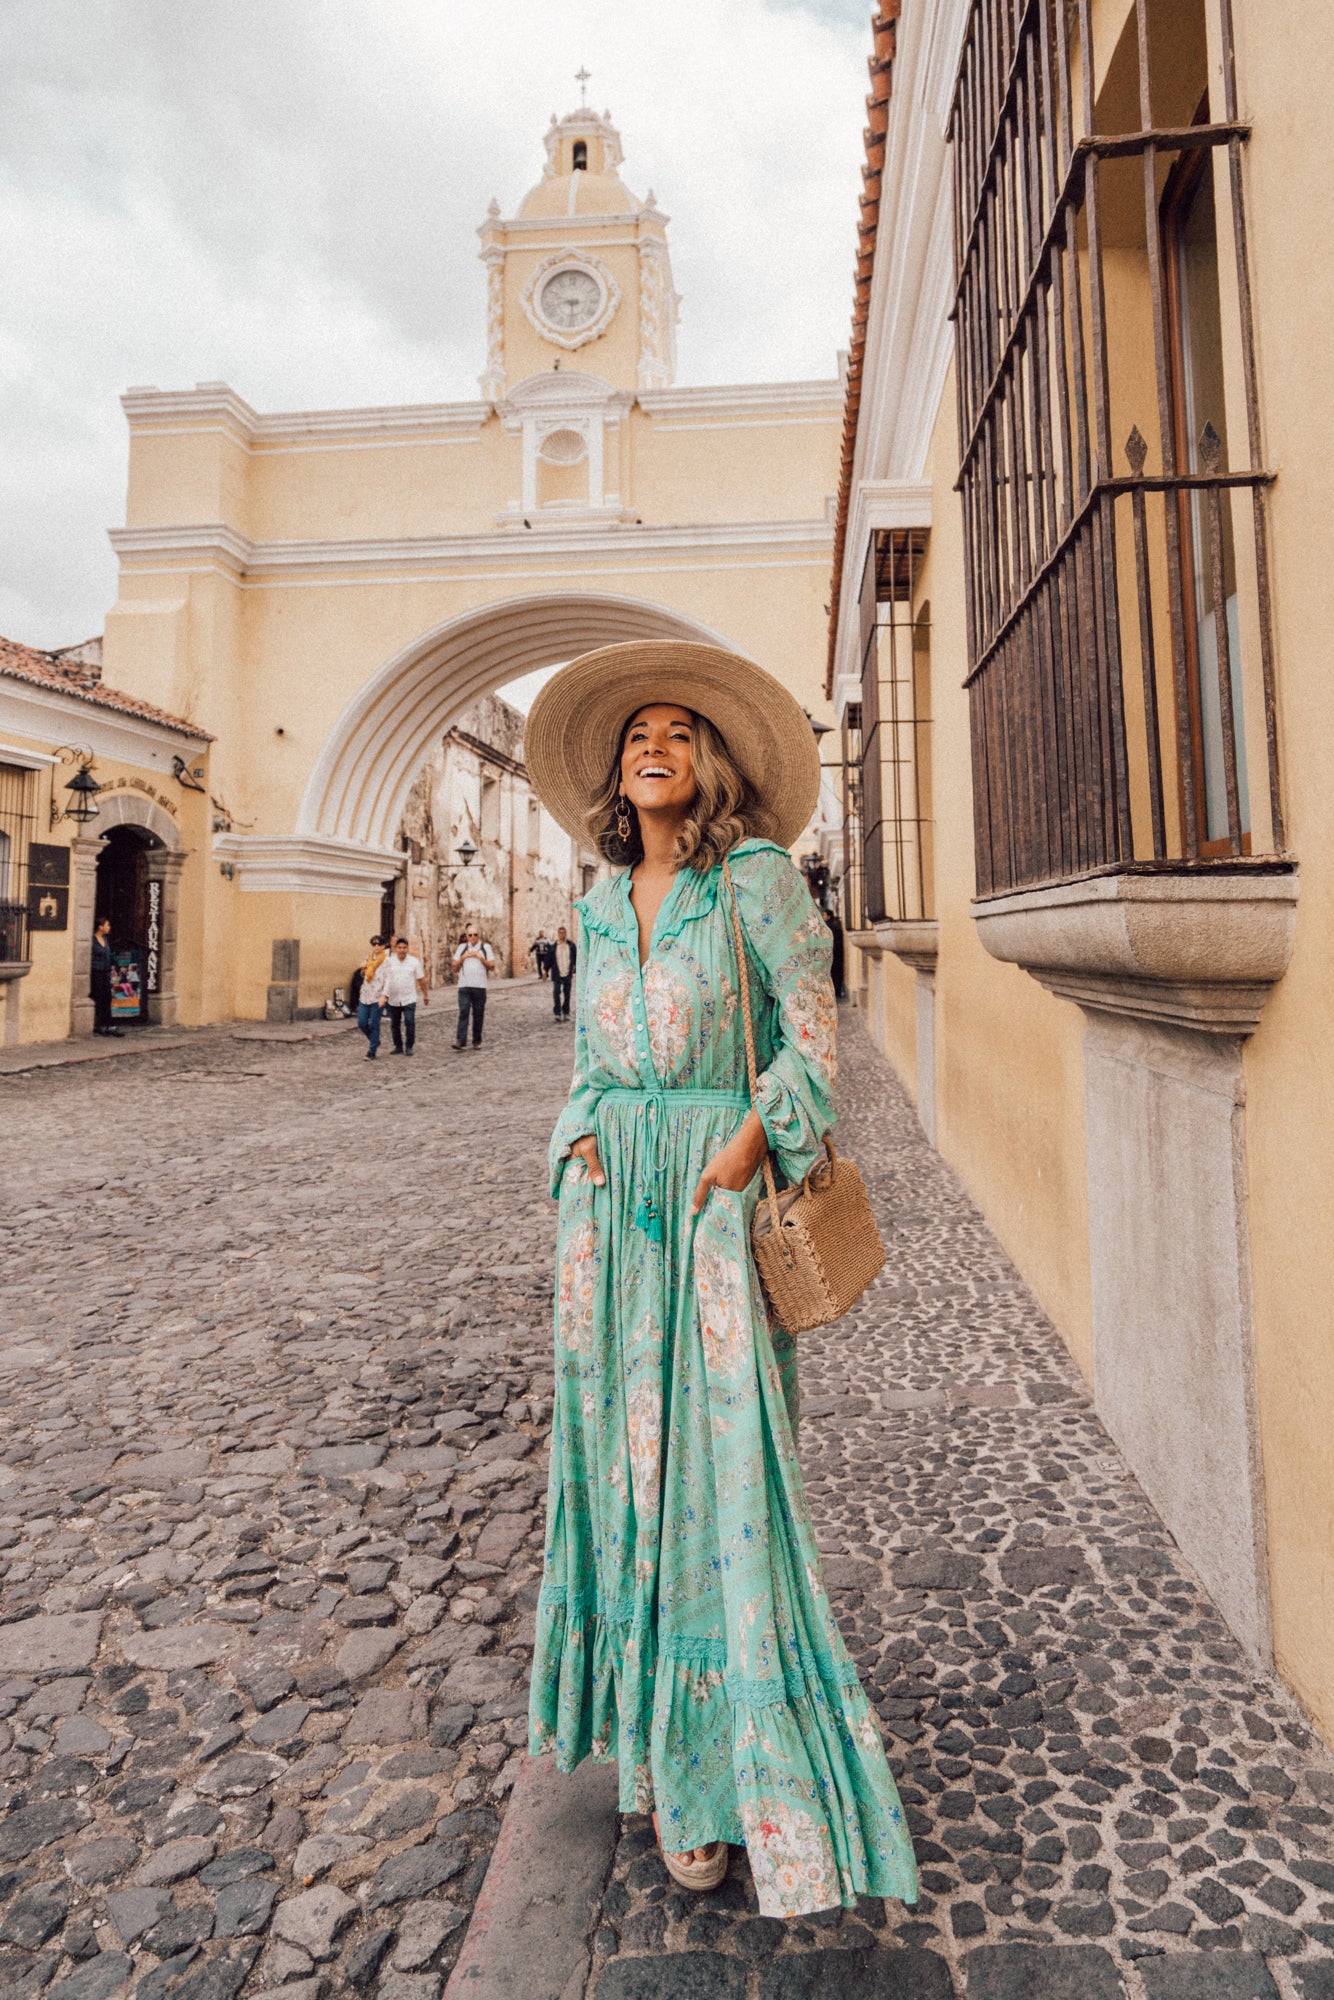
(579, 276)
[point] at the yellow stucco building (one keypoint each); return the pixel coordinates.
(1079, 653)
(103, 812)
(324, 592)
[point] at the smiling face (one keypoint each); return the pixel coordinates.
(657, 759)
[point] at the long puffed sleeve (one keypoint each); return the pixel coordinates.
(788, 936)
(576, 1120)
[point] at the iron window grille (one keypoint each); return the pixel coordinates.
(1119, 633)
(17, 823)
(887, 773)
(854, 888)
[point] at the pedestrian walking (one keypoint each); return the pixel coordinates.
(683, 1626)
(370, 996)
(564, 957)
(835, 924)
(404, 978)
(538, 951)
(474, 960)
(99, 981)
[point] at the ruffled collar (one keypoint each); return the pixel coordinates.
(601, 909)
(607, 907)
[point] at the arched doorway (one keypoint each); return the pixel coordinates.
(127, 866)
(129, 893)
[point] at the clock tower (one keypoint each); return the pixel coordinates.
(580, 276)
(581, 316)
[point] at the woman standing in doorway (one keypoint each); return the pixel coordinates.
(683, 1626)
(99, 980)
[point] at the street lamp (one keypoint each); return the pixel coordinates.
(466, 853)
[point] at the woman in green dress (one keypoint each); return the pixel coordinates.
(683, 1626)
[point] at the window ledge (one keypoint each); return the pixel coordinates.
(871, 942)
(915, 940)
(1194, 950)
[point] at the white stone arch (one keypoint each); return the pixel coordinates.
(130, 808)
(360, 781)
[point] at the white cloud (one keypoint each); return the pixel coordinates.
(283, 194)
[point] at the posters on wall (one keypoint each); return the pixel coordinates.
(127, 984)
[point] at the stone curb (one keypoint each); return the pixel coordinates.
(21, 1061)
(534, 1916)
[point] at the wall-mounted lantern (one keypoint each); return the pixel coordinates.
(83, 789)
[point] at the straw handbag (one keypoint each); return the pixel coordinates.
(816, 1246)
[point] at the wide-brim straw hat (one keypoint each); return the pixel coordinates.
(575, 726)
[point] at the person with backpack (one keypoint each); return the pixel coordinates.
(474, 961)
(368, 982)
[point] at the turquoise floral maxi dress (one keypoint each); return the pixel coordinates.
(683, 1626)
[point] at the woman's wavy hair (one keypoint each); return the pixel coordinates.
(726, 807)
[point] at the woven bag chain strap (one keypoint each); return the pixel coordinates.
(771, 1186)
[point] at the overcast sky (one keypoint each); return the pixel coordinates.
(284, 195)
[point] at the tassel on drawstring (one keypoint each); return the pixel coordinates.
(648, 1218)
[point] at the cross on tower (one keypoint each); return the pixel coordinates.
(581, 77)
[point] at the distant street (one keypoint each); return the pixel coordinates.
(274, 1389)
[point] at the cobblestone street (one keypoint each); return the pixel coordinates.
(274, 1390)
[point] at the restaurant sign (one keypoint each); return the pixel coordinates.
(154, 945)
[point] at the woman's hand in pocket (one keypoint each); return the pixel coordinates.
(736, 1164)
(586, 1149)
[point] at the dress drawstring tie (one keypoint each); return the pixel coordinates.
(656, 1104)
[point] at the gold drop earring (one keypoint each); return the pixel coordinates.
(622, 819)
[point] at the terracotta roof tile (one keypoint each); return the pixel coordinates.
(65, 674)
(880, 64)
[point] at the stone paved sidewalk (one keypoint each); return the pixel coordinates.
(274, 1394)
(1109, 1802)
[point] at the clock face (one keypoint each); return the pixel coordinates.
(571, 300)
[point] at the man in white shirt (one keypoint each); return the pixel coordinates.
(404, 977)
(474, 960)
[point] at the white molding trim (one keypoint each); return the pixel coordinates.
(552, 394)
(257, 564)
(878, 504)
(27, 709)
(745, 402)
(526, 225)
(206, 545)
(27, 760)
(909, 338)
(306, 864)
(216, 406)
